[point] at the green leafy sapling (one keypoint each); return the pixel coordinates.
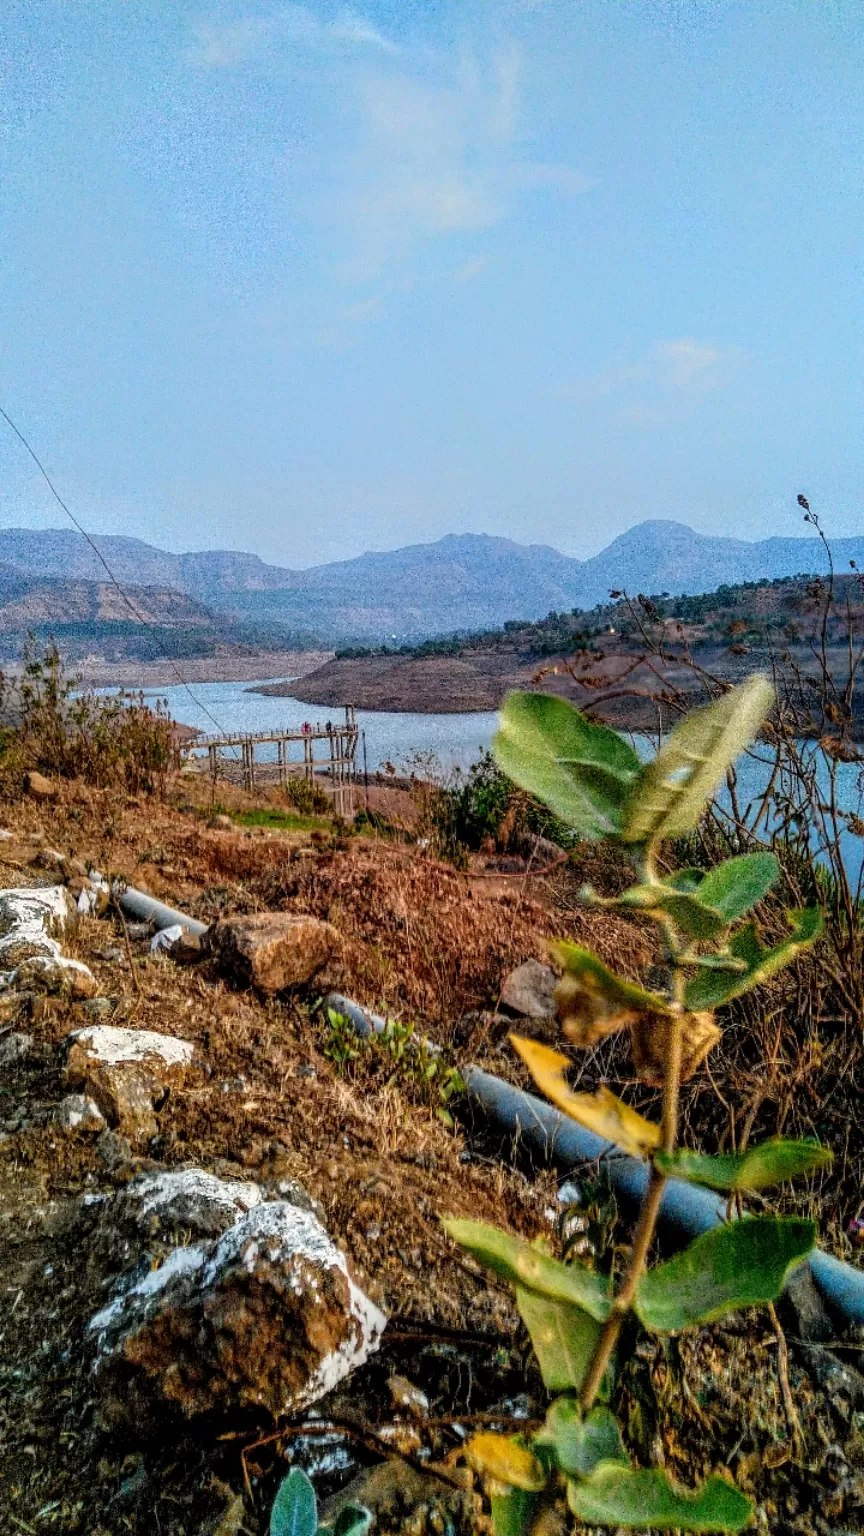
(295, 1511)
(591, 778)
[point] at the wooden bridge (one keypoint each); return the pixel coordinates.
(336, 765)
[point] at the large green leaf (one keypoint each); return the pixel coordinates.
(517, 1261)
(772, 1162)
(739, 1265)
(295, 1509)
(648, 1499)
(513, 1510)
(581, 1444)
(672, 789)
(733, 887)
(704, 906)
(564, 1337)
(709, 988)
(582, 771)
(686, 908)
(352, 1520)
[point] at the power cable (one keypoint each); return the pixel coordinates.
(133, 609)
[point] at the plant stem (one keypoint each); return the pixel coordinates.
(650, 1210)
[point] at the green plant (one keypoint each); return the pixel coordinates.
(712, 952)
(343, 1044)
(295, 1512)
(414, 1059)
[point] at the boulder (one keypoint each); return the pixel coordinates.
(55, 974)
(77, 1112)
(272, 950)
(39, 787)
(530, 991)
(267, 1316)
(31, 919)
(14, 1047)
(187, 1200)
(127, 1072)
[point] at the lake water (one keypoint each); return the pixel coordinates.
(454, 740)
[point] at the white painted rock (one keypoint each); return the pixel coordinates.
(79, 1113)
(266, 1316)
(125, 1071)
(55, 974)
(188, 1199)
(30, 919)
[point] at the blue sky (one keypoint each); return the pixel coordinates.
(311, 279)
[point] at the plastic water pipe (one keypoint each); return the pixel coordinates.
(686, 1210)
(146, 909)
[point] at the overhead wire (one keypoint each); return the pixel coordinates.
(133, 608)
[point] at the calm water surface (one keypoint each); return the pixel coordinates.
(406, 740)
(454, 740)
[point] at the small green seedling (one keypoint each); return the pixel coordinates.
(295, 1512)
(592, 779)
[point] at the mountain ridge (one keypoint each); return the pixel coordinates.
(455, 584)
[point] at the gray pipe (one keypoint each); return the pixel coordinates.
(146, 909)
(686, 1210)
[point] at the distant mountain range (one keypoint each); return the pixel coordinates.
(463, 582)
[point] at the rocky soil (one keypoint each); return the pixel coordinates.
(189, 1153)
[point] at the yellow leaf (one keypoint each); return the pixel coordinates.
(649, 1038)
(507, 1461)
(599, 1112)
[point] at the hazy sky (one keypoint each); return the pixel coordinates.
(311, 279)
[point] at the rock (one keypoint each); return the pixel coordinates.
(57, 975)
(98, 1007)
(267, 1316)
(77, 1112)
(187, 1200)
(14, 1047)
(47, 858)
(127, 1071)
(272, 950)
(166, 938)
(112, 954)
(138, 931)
(400, 1497)
(188, 949)
(92, 897)
(39, 787)
(31, 918)
(530, 991)
(220, 824)
(802, 1311)
(183, 947)
(114, 1150)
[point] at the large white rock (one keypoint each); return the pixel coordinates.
(127, 1071)
(267, 1315)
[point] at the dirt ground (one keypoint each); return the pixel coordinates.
(422, 942)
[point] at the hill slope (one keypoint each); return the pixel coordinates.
(461, 583)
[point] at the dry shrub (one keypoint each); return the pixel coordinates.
(114, 741)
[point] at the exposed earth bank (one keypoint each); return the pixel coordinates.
(479, 680)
